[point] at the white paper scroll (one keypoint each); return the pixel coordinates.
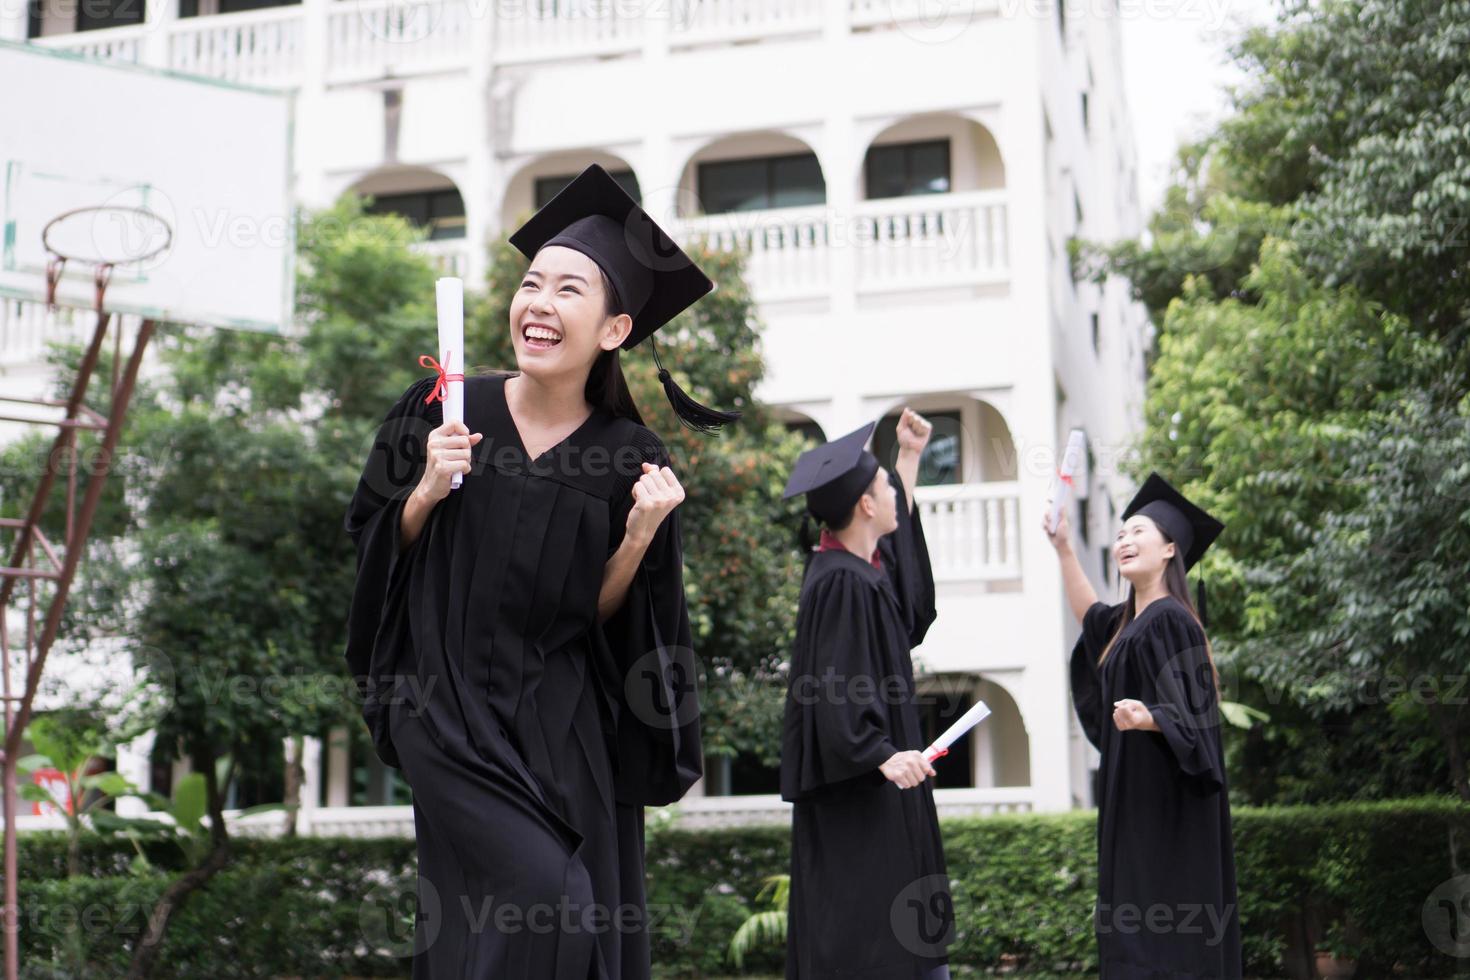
(450, 295)
(1071, 460)
(955, 732)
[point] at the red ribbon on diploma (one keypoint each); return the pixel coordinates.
(1066, 478)
(939, 755)
(440, 390)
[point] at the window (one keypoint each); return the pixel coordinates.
(440, 211)
(758, 183)
(99, 14)
(942, 462)
(1086, 122)
(196, 8)
(907, 169)
(1095, 331)
(548, 187)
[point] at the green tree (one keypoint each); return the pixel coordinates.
(1306, 275)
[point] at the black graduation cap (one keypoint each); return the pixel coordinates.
(654, 278)
(835, 475)
(1191, 528)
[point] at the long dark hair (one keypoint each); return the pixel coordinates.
(1176, 583)
(607, 389)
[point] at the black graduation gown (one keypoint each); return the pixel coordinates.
(869, 889)
(1166, 862)
(487, 679)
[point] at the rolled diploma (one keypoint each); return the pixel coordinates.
(449, 292)
(1076, 443)
(953, 733)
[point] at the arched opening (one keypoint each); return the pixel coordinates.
(971, 442)
(428, 199)
(752, 172)
(1002, 748)
(539, 181)
(801, 423)
(938, 154)
(997, 752)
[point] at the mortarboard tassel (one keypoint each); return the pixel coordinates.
(692, 415)
(1204, 618)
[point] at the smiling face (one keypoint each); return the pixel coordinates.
(559, 320)
(1141, 551)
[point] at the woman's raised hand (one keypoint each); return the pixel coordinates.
(448, 453)
(655, 495)
(1061, 538)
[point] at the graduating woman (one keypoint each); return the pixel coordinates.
(1147, 694)
(522, 642)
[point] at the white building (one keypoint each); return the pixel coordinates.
(903, 175)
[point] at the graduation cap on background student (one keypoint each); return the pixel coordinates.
(1190, 528)
(834, 476)
(654, 279)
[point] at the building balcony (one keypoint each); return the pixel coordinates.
(929, 241)
(794, 254)
(971, 530)
(371, 39)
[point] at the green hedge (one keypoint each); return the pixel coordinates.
(1024, 888)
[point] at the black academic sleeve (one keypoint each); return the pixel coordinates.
(836, 728)
(377, 623)
(1184, 702)
(655, 670)
(905, 556)
(1098, 625)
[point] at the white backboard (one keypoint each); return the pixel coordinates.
(212, 159)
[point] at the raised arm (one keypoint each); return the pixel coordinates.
(655, 496)
(913, 433)
(1080, 594)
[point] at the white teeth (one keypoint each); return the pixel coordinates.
(542, 333)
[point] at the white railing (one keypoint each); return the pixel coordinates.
(934, 239)
(532, 30)
(375, 38)
(110, 44)
(449, 255)
(971, 530)
(257, 47)
(896, 243)
(787, 249)
(692, 813)
(699, 21)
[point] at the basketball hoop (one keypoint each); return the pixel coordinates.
(128, 236)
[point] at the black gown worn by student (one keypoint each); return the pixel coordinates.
(1166, 869)
(531, 734)
(494, 688)
(869, 890)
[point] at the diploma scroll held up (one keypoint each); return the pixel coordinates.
(955, 732)
(1071, 459)
(449, 292)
